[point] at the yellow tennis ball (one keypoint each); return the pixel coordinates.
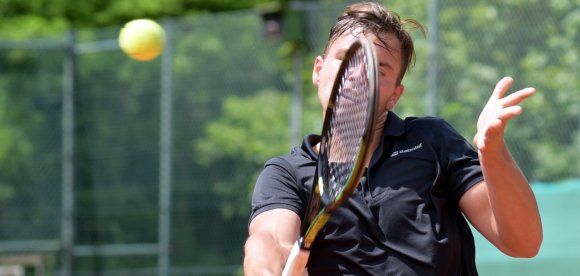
(142, 39)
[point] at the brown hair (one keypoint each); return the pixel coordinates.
(374, 18)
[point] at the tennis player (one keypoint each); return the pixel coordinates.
(422, 186)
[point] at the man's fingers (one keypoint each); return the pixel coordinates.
(518, 96)
(502, 87)
(498, 111)
(509, 112)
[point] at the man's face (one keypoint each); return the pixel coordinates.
(325, 69)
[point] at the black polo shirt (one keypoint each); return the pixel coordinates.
(404, 218)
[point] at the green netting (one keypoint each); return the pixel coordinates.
(559, 205)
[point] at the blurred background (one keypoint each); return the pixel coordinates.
(110, 166)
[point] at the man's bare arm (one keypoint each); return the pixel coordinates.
(271, 237)
(503, 208)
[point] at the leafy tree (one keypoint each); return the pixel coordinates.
(482, 41)
(113, 12)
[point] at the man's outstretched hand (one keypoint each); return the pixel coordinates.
(496, 114)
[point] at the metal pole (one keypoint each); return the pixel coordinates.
(433, 76)
(298, 63)
(295, 116)
(67, 218)
(165, 153)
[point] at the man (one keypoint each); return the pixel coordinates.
(408, 215)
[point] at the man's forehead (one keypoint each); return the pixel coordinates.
(386, 41)
(388, 45)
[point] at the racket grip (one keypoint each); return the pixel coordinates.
(296, 262)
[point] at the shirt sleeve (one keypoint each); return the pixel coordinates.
(277, 187)
(461, 162)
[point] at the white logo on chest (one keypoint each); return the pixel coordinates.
(397, 152)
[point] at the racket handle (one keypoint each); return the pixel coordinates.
(296, 262)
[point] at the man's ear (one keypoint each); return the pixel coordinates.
(396, 96)
(316, 70)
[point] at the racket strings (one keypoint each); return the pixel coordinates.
(347, 126)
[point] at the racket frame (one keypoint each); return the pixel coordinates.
(320, 208)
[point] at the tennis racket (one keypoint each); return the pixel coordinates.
(346, 134)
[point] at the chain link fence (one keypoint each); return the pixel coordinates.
(116, 167)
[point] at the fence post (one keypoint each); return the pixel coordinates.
(165, 145)
(432, 106)
(295, 115)
(68, 146)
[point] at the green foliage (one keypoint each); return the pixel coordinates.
(111, 12)
(250, 131)
(255, 140)
(497, 38)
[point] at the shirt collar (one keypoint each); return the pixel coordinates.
(394, 126)
(309, 143)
